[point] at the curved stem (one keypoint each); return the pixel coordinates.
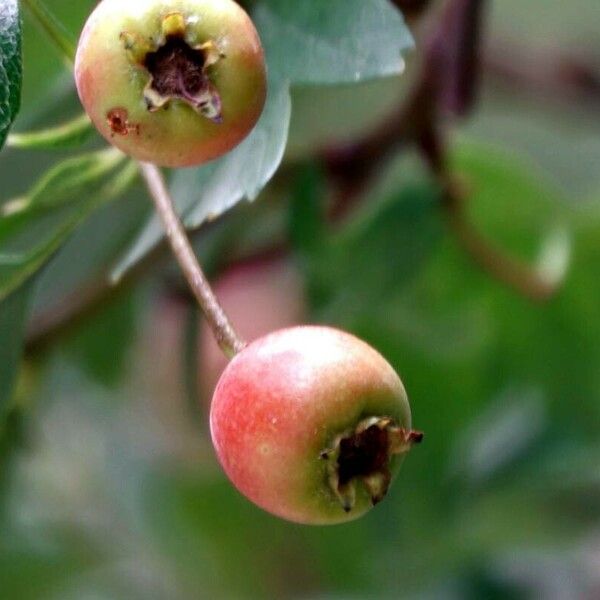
(227, 338)
(517, 275)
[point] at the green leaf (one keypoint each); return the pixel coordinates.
(510, 199)
(308, 227)
(337, 41)
(31, 235)
(102, 343)
(68, 181)
(204, 193)
(376, 254)
(54, 29)
(67, 135)
(10, 65)
(13, 315)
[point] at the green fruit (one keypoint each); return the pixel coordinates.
(172, 82)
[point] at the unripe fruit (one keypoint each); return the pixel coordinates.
(173, 82)
(311, 424)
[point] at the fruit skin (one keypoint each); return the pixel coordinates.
(281, 402)
(111, 81)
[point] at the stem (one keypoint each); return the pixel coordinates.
(512, 272)
(227, 338)
(54, 30)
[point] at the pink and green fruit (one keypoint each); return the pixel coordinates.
(173, 82)
(311, 424)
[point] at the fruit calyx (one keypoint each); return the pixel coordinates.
(364, 454)
(177, 69)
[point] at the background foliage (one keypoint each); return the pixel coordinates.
(108, 484)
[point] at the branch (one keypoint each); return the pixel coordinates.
(227, 338)
(554, 75)
(447, 84)
(518, 276)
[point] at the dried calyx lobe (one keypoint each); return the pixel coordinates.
(179, 71)
(364, 455)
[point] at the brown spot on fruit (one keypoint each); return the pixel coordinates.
(118, 121)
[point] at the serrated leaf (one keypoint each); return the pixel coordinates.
(338, 41)
(29, 237)
(204, 193)
(13, 314)
(10, 65)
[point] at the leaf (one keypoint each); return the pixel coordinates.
(29, 237)
(378, 253)
(338, 41)
(13, 314)
(501, 434)
(308, 229)
(204, 193)
(67, 135)
(54, 29)
(101, 345)
(67, 181)
(10, 65)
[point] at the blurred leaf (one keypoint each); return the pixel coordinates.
(54, 29)
(500, 435)
(13, 316)
(101, 345)
(12, 440)
(31, 572)
(204, 522)
(378, 253)
(67, 181)
(510, 198)
(67, 135)
(332, 42)
(10, 65)
(308, 226)
(31, 234)
(204, 193)
(333, 115)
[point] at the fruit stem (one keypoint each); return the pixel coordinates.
(227, 338)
